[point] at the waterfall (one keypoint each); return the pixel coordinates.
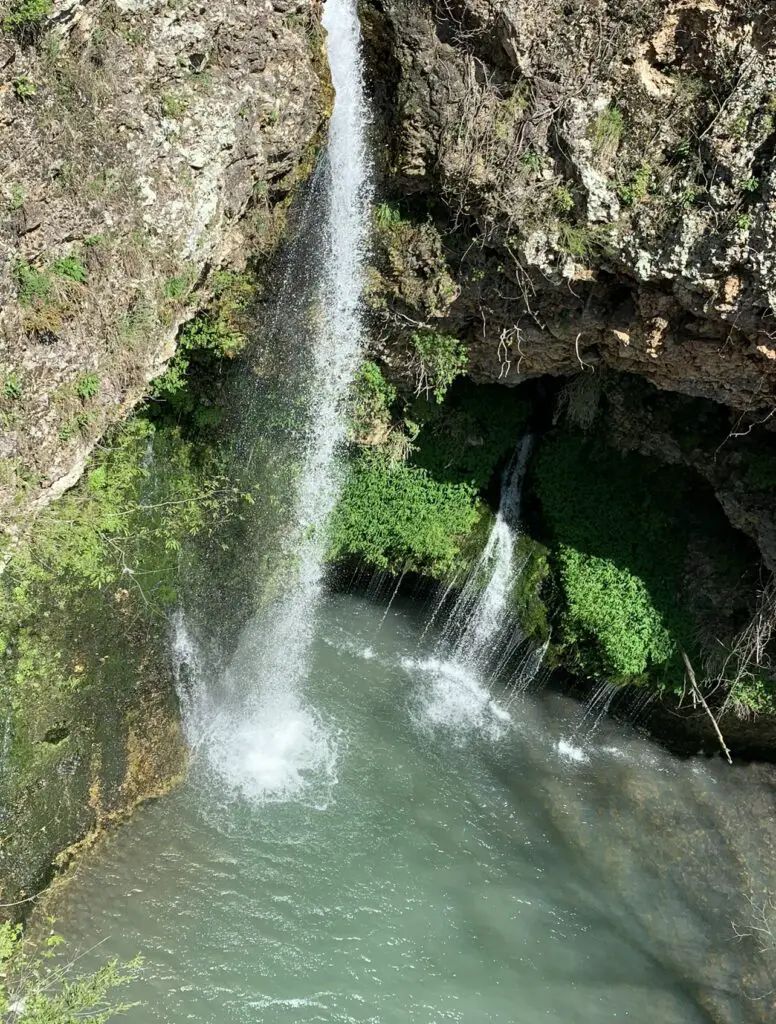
(482, 637)
(481, 615)
(249, 719)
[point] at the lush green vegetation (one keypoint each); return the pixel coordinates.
(619, 541)
(38, 986)
(398, 517)
(372, 397)
(26, 17)
(465, 439)
(186, 388)
(440, 358)
(619, 529)
(412, 502)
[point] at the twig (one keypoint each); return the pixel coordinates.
(699, 695)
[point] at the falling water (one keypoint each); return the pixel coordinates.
(482, 639)
(480, 616)
(250, 718)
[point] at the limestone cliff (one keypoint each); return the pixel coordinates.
(589, 184)
(144, 143)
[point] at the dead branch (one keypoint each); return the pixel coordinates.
(700, 697)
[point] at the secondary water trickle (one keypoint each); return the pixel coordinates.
(249, 718)
(481, 640)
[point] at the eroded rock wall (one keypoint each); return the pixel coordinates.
(144, 144)
(611, 165)
(586, 185)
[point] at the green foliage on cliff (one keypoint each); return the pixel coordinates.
(38, 987)
(411, 497)
(397, 517)
(371, 399)
(212, 336)
(611, 609)
(464, 439)
(25, 17)
(122, 523)
(440, 358)
(619, 540)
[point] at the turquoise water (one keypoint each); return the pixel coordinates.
(452, 859)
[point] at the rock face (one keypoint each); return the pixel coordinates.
(611, 164)
(591, 186)
(144, 144)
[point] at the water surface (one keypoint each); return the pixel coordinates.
(450, 858)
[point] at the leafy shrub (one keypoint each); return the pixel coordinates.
(18, 197)
(12, 386)
(611, 608)
(37, 989)
(88, 386)
(440, 358)
(210, 336)
(371, 399)
(637, 189)
(34, 285)
(26, 17)
(70, 267)
(619, 529)
(532, 160)
(397, 517)
(562, 199)
(24, 88)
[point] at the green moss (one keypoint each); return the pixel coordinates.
(528, 600)
(397, 517)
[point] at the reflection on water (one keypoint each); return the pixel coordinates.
(469, 866)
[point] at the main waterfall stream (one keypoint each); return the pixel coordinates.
(374, 829)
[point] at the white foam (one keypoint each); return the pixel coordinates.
(571, 752)
(452, 697)
(282, 751)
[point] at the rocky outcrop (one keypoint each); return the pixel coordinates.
(145, 143)
(590, 186)
(607, 183)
